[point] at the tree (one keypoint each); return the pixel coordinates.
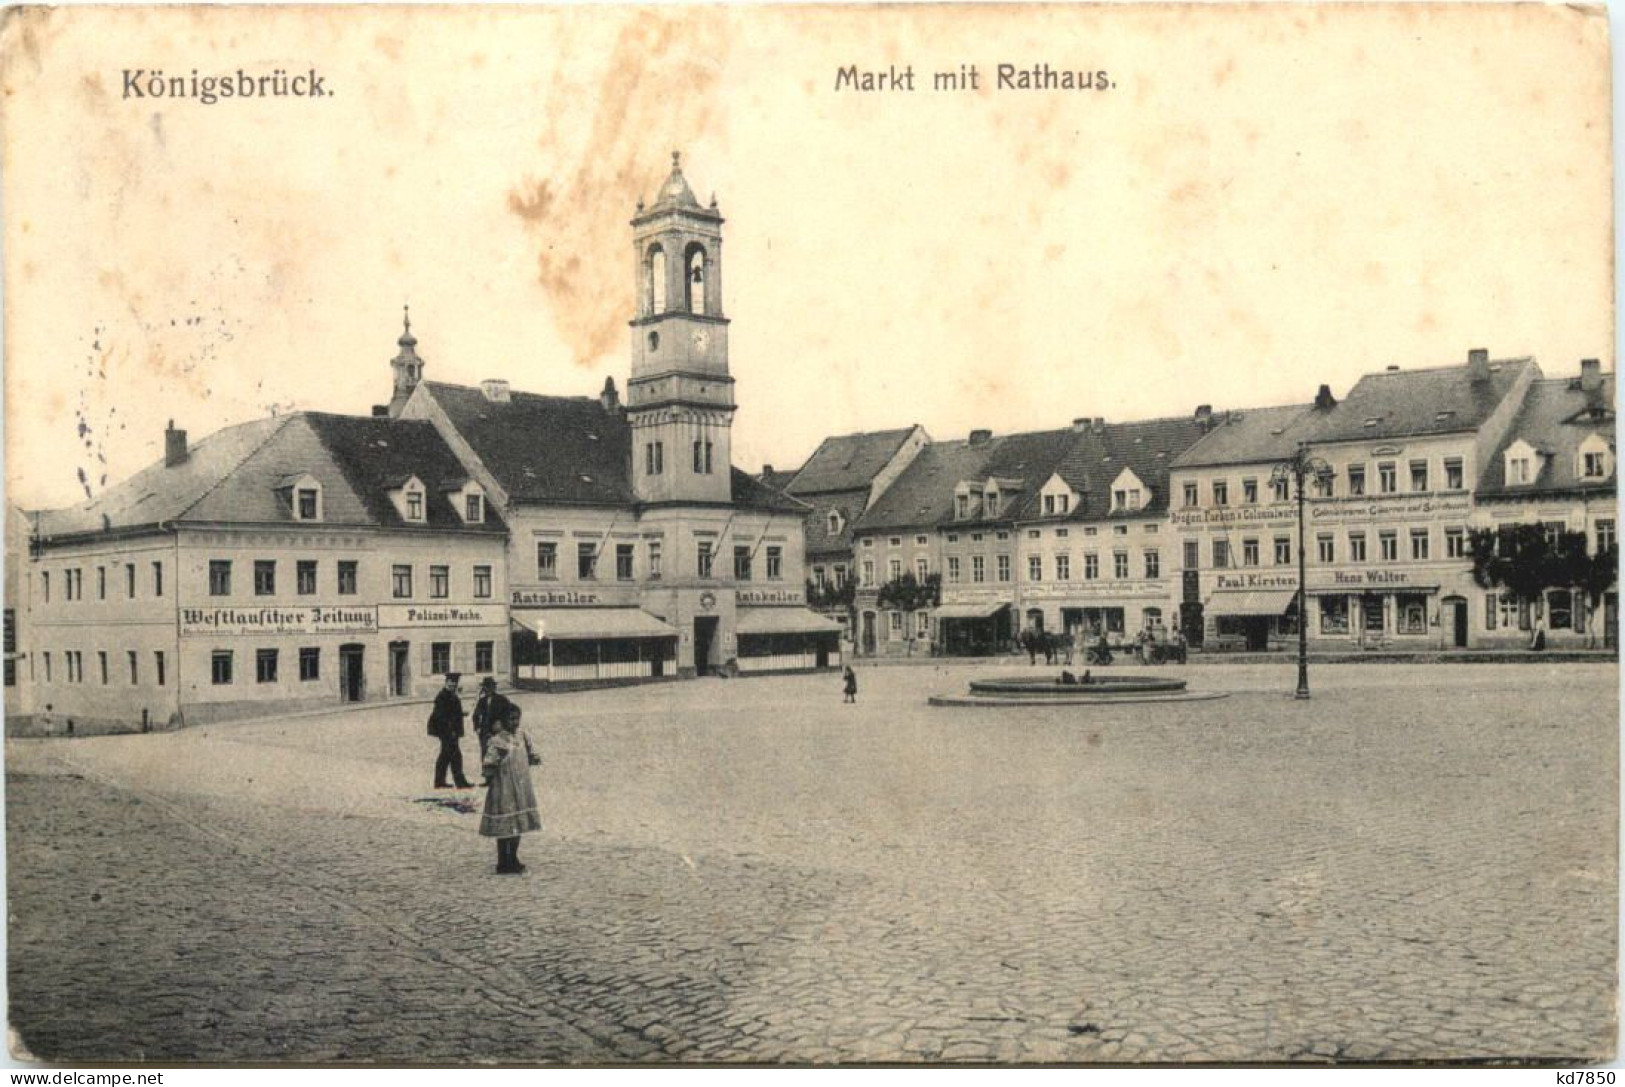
(909, 593)
(1524, 561)
(835, 596)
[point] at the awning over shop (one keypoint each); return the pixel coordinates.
(783, 621)
(1255, 602)
(969, 611)
(1369, 590)
(587, 624)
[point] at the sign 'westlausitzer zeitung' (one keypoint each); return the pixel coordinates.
(273, 620)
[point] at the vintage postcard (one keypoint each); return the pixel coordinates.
(1008, 534)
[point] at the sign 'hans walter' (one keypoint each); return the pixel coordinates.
(311, 620)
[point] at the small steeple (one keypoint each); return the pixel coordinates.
(674, 192)
(408, 367)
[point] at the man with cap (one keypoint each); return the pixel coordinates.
(489, 713)
(446, 725)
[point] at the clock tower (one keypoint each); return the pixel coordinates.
(680, 399)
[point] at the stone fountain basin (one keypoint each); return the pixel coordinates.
(1051, 686)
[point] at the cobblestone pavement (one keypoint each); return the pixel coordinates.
(1417, 864)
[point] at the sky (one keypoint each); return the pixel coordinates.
(1266, 199)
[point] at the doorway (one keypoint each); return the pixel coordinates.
(400, 678)
(1456, 608)
(352, 676)
(868, 633)
(705, 634)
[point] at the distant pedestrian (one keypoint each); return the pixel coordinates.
(510, 798)
(446, 725)
(489, 712)
(850, 685)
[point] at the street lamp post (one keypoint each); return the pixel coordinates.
(1297, 471)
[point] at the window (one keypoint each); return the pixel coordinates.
(101, 661)
(868, 580)
(1419, 543)
(158, 667)
(129, 580)
(894, 569)
(1560, 611)
(47, 658)
(547, 561)
(1357, 547)
(264, 577)
(1193, 555)
(1387, 477)
(654, 463)
(1518, 470)
(74, 587)
(921, 541)
(587, 561)
(401, 577)
(1325, 485)
(775, 564)
(1249, 552)
(654, 560)
(922, 624)
(1372, 608)
(1091, 566)
(1221, 554)
(623, 562)
(1035, 568)
(439, 582)
(1594, 465)
(157, 579)
(1356, 480)
(1153, 565)
(474, 508)
(1063, 567)
(1126, 499)
(482, 582)
(485, 656)
(978, 569)
(1411, 614)
(702, 457)
(305, 577)
(1001, 535)
(991, 503)
(71, 657)
(961, 506)
(1454, 479)
(414, 505)
(894, 625)
(101, 583)
(869, 541)
(1283, 550)
(1221, 493)
(1249, 491)
(265, 665)
(45, 585)
(347, 577)
(439, 658)
(1455, 543)
(742, 564)
(1190, 494)
(1505, 611)
(220, 666)
(1281, 488)
(702, 563)
(307, 503)
(1388, 542)
(1419, 475)
(819, 578)
(1325, 547)
(1605, 533)
(922, 567)
(1002, 565)
(135, 669)
(310, 664)
(953, 568)
(895, 541)
(220, 578)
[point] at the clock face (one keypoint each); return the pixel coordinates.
(701, 338)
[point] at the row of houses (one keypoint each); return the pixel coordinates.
(1189, 525)
(314, 559)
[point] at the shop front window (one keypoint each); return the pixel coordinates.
(1371, 608)
(1334, 615)
(1412, 614)
(1560, 609)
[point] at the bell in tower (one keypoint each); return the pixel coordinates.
(680, 396)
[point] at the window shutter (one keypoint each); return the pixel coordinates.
(1489, 611)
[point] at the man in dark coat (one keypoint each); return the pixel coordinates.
(446, 725)
(489, 713)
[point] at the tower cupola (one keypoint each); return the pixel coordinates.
(408, 367)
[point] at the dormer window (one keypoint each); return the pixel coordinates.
(1522, 464)
(962, 506)
(1518, 470)
(414, 505)
(303, 495)
(474, 507)
(835, 522)
(1595, 460)
(308, 504)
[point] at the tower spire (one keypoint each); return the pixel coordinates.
(408, 367)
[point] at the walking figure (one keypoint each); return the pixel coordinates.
(446, 725)
(489, 712)
(510, 798)
(850, 685)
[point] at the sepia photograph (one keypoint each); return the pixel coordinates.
(1113, 563)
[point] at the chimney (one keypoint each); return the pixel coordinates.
(1590, 375)
(495, 390)
(1098, 424)
(1324, 400)
(380, 411)
(609, 397)
(1204, 416)
(1478, 364)
(767, 470)
(1393, 368)
(980, 437)
(174, 446)
(1080, 424)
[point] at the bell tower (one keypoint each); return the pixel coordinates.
(680, 399)
(408, 367)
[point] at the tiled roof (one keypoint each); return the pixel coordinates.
(1556, 417)
(751, 493)
(240, 475)
(1028, 460)
(779, 479)
(1254, 436)
(849, 504)
(1148, 448)
(848, 461)
(923, 494)
(1415, 403)
(547, 449)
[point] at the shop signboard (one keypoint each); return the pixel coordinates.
(396, 616)
(315, 619)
